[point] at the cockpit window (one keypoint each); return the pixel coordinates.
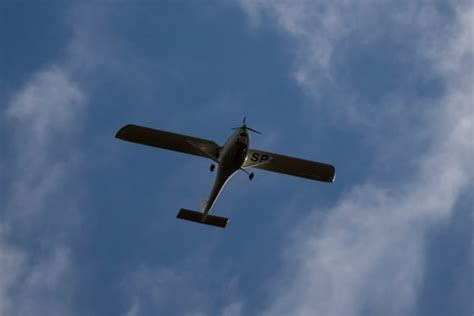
(243, 134)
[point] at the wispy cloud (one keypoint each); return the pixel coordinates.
(314, 27)
(188, 288)
(43, 118)
(11, 263)
(366, 256)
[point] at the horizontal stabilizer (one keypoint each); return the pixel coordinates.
(194, 216)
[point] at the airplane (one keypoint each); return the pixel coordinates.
(233, 156)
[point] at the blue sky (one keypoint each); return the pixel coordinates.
(380, 89)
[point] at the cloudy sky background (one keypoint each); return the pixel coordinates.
(381, 89)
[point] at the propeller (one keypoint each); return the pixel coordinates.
(245, 127)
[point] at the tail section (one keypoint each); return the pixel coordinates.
(203, 205)
(199, 217)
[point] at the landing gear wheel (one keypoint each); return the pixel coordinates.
(251, 176)
(212, 167)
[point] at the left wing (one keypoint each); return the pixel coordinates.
(289, 165)
(171, 141)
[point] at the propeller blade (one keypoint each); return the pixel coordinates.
(255, 131)
(245, 127)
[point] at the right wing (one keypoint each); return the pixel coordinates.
(171, 141)
(289, 165)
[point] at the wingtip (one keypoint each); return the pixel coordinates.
(333, 171)
(117, 135)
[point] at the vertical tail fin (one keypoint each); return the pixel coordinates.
(203, 205)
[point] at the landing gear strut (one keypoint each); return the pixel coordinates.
(249, 174)
(212, 167)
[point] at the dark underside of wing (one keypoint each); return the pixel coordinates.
(166, 140)
(292, 166)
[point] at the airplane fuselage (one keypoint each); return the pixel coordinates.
(231, 157)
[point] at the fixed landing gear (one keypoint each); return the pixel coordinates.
(212, 167)
(249, 174)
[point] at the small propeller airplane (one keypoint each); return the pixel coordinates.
(233, 156)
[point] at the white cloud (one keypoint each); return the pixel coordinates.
(233, 309)
(367, 254)
(314, 27)
(42, 116)
(43, 286)
(134, 310)
(191, 288)
(11, 265)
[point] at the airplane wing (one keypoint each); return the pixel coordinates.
(289, 165)
(171, 141)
